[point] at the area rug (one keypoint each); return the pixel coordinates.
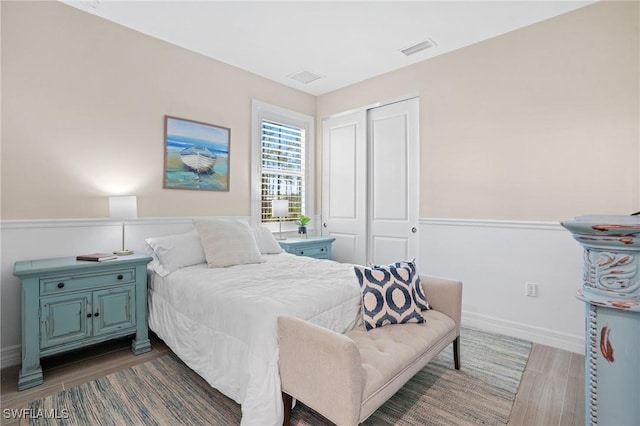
(164, 391)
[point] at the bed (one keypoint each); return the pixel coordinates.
(222, 320)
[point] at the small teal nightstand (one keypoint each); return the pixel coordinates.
(318, 247)
(68, 304)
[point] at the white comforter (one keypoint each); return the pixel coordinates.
(222, 322)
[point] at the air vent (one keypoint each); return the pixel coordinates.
(89, 3)
(418, 47)
(305, 76)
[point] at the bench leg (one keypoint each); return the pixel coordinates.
(287, 401)
(456, 353)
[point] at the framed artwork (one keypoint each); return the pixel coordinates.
(196, 155)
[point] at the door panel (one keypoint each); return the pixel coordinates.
(344, 246)
(342, 176)
(114, 310)
(387, 249)
(344, 186)
(394, 182)
(389, 172)
(64, 319)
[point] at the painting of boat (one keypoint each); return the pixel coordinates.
(196, 155)
(200, 159)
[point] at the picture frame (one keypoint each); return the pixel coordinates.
(196, 155)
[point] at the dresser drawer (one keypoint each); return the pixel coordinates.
(319, 252)
(62, 284)
(318, 247)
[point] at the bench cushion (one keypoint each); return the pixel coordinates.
(391, 355)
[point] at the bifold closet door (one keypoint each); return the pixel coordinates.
(370, 183)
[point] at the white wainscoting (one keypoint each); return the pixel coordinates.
(36, 239)
(493, 258)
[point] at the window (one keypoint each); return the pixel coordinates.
(282, 147)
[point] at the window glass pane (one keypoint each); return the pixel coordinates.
(282, 147)
(285, 187)
(283, 166)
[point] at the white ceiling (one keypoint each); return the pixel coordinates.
(344, 41)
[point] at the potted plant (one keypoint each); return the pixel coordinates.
(302, 225)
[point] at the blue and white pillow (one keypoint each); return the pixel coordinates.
(387, 296)
(417, 291)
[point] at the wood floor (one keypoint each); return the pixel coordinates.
(551, 392)
(552, 389)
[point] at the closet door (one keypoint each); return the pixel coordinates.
(370, 183)
(393, 182)
(344, 186)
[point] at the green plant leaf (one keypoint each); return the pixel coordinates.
(303, 220)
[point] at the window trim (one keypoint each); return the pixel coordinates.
(264, 111)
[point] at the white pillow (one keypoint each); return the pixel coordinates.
(267, 244)
(173, 252)
(227, 242)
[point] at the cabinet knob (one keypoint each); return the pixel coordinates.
(89, 315)
(322, 249)
(60, 285)
(301, 252)
(120, 277)
(97, 314)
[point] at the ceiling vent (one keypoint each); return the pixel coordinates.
(305, 76)
(418, 47)
(89, 3)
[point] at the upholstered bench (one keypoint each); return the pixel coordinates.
(346, 377)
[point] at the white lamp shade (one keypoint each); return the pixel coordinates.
(279, 208)
(123, 207)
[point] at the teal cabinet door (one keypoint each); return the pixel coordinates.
(114, 310)
(65, 319)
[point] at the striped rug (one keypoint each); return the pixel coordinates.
(164, 391)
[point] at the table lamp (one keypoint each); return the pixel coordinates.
(280, 209)
(123, 208)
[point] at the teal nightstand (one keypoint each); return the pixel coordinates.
(318, 247)
(68, 304)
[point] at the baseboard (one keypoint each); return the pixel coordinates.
(10, 356)
(537, 335)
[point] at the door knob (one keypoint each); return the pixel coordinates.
(324, 224)
(414, 230)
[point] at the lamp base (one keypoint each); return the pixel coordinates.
(123, 252)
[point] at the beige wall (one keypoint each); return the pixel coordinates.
(537, 124)
(83, 102)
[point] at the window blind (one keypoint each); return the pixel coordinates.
(283, 168)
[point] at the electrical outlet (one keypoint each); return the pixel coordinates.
(530, 289)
